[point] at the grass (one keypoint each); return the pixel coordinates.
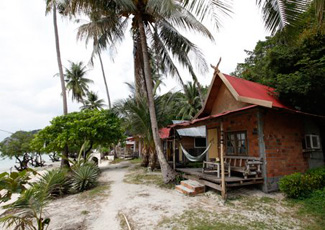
(205, 220)
(136, 161)
(101, 191)
(117, 160)
(84, 212)
(312, 209)
(138, 175)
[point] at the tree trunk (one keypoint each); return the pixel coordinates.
(199, 89)
(145, 158)
(103, 71)
(64, 160)
(168, 173)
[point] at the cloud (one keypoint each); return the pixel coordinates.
(30, 95)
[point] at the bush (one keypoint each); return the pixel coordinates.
(55, 182)
(85, 177)
(300, 185)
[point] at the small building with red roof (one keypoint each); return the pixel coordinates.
(247, 119)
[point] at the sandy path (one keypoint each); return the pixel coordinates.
(149, 207)
(107, 218)
(144, 206)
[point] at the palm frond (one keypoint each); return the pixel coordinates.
(279, 13)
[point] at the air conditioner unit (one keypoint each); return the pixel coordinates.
(312, 141)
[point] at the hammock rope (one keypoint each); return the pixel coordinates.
(197, 158)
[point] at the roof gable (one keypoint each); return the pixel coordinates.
(242, 90)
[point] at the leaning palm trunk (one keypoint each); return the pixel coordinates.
(105, 82)
(167, 172)
(64, 160)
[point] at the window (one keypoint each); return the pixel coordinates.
(236, 143)
(312, 141)
(199, 142)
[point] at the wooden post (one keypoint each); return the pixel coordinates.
(261, 146)
(174, 153)
(223, 182)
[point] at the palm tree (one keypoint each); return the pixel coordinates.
(189, 103)
(136, 119)
(155, 19)
(96, 30)
(76, 81)
(92, 102)
(51, 5)
(277, 14)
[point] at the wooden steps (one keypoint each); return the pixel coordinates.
(190, 187)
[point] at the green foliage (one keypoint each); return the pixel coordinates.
(315, 204)
(293, 63)
(300, 185)
(14, 182)
(91, 126)
(27, 209)
(55, 182)
(92, 102)
(76, 81)
(18, 146)
(85, 177)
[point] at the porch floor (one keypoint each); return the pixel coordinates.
(211, 179)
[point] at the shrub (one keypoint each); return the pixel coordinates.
(85, 177)
(55, 182)
(300, 185)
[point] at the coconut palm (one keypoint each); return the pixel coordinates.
(76, 81)
(52, 5)
(96, 30)
(136, 116)
(155, 19)
(189, 103)
(277, 14)
(92, 102)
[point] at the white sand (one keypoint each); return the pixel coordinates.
(145, 206)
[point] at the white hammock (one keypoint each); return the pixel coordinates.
(192, 158)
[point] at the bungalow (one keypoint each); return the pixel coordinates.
(192, 139)
(246, 122)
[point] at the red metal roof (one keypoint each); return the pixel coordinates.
(188, 123)
(255, 90)
(164, 133)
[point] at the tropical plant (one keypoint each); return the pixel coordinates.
(14, 182)
(91, 126)
(136, 120)
(29, 208)
(92, 102)
(278, 14)
(189, 105)
(96, 30)
(56, 182)
(84, 177)
(52, 5)
(154, 25)
(76, 81)
(18, 146)
(294, 66)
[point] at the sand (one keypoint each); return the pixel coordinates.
(149, 207)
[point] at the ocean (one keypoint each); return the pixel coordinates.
(6, 163)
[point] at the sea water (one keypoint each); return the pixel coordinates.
(6, 164)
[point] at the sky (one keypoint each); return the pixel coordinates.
(30, 93)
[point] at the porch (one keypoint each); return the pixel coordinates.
(213, 181)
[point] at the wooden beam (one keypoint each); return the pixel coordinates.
(223, 182)
(261, 147)
(254, 101)
(174, 154)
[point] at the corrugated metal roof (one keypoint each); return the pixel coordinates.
(191, 132)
